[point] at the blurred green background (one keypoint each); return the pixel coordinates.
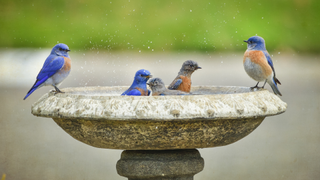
(166, 25)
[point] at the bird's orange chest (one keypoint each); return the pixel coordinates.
(258, 57)
(67, 64)
(185, 85)
(255, 56)
(143, 92)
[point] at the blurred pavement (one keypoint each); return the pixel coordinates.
(282, 147)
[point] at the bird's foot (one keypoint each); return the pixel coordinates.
(255, 87)
(56, 92)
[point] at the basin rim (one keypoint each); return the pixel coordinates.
(245, 103)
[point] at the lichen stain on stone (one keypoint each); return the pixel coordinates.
(38, 110)
(210, 112)
(240, 111)
(263, 108)
(175, 112)
(107, 113)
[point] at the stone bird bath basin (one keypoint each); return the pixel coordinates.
(159, 134)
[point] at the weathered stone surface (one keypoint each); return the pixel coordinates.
(96, 103)
(216, 116)
(160, 165)
(158, 135)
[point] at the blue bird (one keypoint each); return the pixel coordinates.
(139, 86)
(258, 64)
(54, 70)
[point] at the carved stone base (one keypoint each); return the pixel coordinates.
(160, 165)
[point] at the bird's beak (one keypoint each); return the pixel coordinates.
(245, 41)
(199, 67)
(68, 50)
(150, 76)
(148, 84)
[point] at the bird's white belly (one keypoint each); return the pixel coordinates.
(56, 79)
(254, 70)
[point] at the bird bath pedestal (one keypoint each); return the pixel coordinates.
(159, 134)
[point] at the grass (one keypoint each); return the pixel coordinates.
(183, 25)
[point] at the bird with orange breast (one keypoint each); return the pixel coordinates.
(258, 64)
(55, 69)
(183, 81)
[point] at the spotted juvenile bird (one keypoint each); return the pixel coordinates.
(54, 70)
(258, 64)
(159, 89)
(183, 81)
(139, 85)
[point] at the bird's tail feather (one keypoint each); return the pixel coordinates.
(34, 87)
(277, 81)
(274, 86)
(30, 92)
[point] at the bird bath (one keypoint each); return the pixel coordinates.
(159, 134)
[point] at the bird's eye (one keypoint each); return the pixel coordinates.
(60, 49)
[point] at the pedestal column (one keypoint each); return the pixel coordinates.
(160, 165)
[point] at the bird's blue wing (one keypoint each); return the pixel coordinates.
(50, 67)
(149, 92)
(269, 59)
(176, 84)
(275, 80)
(132, 92)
